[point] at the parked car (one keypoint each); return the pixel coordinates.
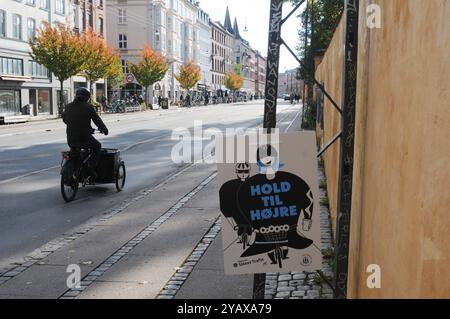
(286, 97)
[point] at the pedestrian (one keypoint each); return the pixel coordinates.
(188, 100)
(103, 102)
(159, 101)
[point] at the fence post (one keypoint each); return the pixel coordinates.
(346, 149)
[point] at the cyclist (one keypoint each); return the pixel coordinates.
(78, 116)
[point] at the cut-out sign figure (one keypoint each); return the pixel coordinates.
(269, 205)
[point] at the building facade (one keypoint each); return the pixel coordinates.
(204, 31)
(289, 84)
(260, 80)
(243, 56)
(167, 26)
(25, 86)
(88, 15)
(222, 53)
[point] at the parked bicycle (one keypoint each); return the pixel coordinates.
(117, 106)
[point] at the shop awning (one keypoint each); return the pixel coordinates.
(15, 78)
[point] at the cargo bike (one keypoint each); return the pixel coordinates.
(75, 173)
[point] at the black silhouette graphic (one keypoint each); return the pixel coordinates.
(228, 203)
(273, 201)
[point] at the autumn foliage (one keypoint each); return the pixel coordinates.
(150, 67)
(100, 60)
(58, 49)
(65, 54)
(188, 75)
(233, 81)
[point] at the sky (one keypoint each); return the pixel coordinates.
(254, 14)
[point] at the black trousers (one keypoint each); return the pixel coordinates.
(95, 147)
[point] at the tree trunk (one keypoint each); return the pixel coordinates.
(61, 98)
(146, 97)
(151, 96)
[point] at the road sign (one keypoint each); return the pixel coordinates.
(270, 204)
(130, 78)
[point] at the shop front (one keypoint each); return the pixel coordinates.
(10, 101)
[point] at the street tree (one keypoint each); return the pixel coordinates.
(60, 50)
(101, 61)
(234, 80)
(149, 68)
(319, 21)
(188, 75)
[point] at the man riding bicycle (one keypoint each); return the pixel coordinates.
(78, 116)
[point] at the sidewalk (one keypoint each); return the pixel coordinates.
(162, 239)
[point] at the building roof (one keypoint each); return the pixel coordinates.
(227, 23)
(236, 29)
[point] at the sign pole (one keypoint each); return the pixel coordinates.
(270, 103)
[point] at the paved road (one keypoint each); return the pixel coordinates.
(32, 211)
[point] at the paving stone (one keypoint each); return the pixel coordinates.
(72, 293)
(283, 294)
(283, 289)
(284, 277)
(299, 276)
(169, 292)
(298, 293)
(172, 287)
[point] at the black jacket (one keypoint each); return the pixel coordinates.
(78, 116)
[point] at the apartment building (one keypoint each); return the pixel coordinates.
(289, 84)
(260, 80)
(167, 26)
(204, 31)
(25, 86)
(222, 53)
(84, 15)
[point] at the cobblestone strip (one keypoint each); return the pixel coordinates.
(42, 252)
(179, 278)
(307, 285)
(133, 242)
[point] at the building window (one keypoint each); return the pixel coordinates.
(75, 18)
(31, 29)
(31, 2)
(123, 41)
(100, 25)
(90, 20)
(9, 101)
(83, 20)
(59, 6)
(2, 23)
(9, 66)
(43, 102)
(124, 67)
(36, 70)
(45, 4)
(122, 16)
(17, 26)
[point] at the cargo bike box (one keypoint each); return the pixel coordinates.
(110, 168)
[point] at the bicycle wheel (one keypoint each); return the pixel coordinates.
(121, 175)
(69, 183)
